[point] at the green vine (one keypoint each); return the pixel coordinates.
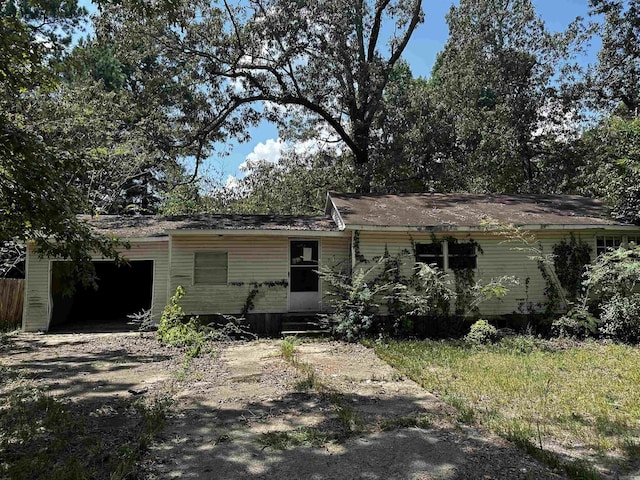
(254, 290)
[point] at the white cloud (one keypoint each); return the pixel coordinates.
(269, 151)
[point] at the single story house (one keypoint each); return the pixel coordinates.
(222, 261)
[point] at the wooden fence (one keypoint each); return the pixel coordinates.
(11, 302)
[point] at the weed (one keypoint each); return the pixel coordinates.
(422, 421)
(288, 348)
(287, 439)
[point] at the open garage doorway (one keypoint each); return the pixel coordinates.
(122, 290)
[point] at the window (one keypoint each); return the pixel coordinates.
(635, 239)
(430, 253)
(605, 242)
(210, 268)
(462, 256)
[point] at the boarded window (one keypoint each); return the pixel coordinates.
(462, 256)
(606, 242)
(210, 268)
(430, 253)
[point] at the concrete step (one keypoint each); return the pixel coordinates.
(305, 333)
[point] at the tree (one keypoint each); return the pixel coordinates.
(38, 194)
(296, 185)
(496, 77)
(615, 79)
(325, 61)
(612, 170)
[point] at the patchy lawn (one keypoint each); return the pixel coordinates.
(580, 401)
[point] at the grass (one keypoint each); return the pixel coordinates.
(45, 437)
(538, 394)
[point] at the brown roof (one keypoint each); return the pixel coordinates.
(143, 226)
(468, 210)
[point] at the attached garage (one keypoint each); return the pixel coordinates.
(121, 291)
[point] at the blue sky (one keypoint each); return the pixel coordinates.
(428, 39)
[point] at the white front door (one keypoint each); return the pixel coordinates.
(304, 283)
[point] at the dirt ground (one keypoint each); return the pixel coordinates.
(360, 419)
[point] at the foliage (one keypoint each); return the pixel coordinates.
(576, 323)
(191, 334)
(612, 170)
(482, 333)
(497, 80)
(620, 318)
(544, 376)
(614, 79)
(325, 62)
(354, 304)
(296, 185)
(174, 331)
(569, 261)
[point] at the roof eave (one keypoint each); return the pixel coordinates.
(256, 231)
(475, 228)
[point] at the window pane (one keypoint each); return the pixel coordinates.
(304, 279)
(304, 252)
(210, 268)
(430, 253)
(462, 256)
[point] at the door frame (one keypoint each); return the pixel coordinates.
(318, 240)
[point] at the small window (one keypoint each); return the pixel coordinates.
(606, 242)
(210, 268)
(430, 253)
(462, 256)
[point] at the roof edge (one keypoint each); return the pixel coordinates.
(480, 228)
(331, 210)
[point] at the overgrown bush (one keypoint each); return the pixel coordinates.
(576, 323)
(178, 331)
(611, 289)
(482, 333)
(354, 304)
(621, 318)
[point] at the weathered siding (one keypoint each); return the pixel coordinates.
(336, 255)
(496, 259)
(251, 258)
(36, 293)
(38, 308)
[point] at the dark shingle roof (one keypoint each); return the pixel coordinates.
(142, 226)
(468, 210)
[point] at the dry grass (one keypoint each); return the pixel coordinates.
(580, 399)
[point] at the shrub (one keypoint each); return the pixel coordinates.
(355, 306)
(621, 318)
(577, 323)
(174, 331)
(482, 333)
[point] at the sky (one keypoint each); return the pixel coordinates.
(428, 39)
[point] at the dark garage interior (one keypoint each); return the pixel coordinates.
(122, 290)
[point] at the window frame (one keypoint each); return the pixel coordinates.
(445, 254)
(196, 268)
(474, 255)
(620, 239)
(442, 255)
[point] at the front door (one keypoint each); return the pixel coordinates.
(304, 283)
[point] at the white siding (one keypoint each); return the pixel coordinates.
(37, 309)
(496, 259)
(251, 258)
(336, 255)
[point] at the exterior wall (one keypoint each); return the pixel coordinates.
(251, 258)
(497, 259)
(336, 255)
(38, 307)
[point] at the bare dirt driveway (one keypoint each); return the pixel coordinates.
(334, 411)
